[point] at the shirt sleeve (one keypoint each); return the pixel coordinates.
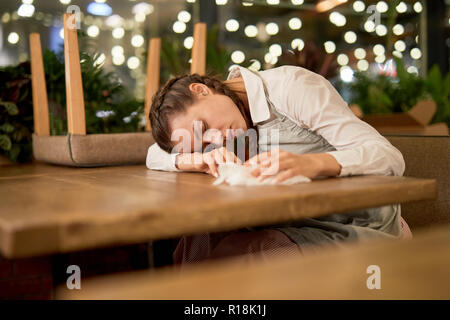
(360, 148)
(158, 159)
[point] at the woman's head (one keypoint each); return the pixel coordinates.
(194, 103)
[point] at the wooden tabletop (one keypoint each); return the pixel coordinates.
(408, 269)
(47, 209)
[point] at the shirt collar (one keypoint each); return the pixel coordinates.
(259, 109)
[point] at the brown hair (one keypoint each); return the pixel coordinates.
(174, 97)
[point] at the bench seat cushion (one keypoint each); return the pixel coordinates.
(93, 150)
(426, 157)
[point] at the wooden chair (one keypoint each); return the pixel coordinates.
(88, 150)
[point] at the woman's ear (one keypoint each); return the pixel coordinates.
(199, 89)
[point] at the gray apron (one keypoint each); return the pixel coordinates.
(334, 228)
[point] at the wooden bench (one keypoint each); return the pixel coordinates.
(416, 269)
(409, 269)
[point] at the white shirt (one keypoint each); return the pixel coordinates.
(312, 102)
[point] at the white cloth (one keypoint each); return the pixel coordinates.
(236, 174)
(312, 102)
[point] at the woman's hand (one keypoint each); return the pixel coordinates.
(284, 165)
(205, 162)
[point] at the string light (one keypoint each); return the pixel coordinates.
(415, 53)
(360, 53)
(5, 17)
(330, 46)
(114, 21)
(184, 16)
(251, 31)
(400, 45)
(237, 56)
(350, 37)
(398, 29)
(298, 44)
(275, 50)
(93, 31)
(401, 7)
(418, 8)
(380, 59)
(297, 2)
(26, 10)
(117, 51)
(255, 66)
(337, 19)
(221, 2)
(397, 54)
(188, 42)
(137, 40)
(268, 58)
(342, 59)
(118, 33)
(179, 27)
(346, 74)
(362, 65)
(139, 17)
(273, 2)
(143, 7)
(272, 28)
(359, 6)
(13, 38)
(413, 70)
(295, 23)
(133, 63)
(382, 7)
(381, 30)
(369, 26)
(232, 25)
(378, 49)
(100, 60)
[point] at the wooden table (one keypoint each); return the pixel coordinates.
(47, 209)
(409, 269)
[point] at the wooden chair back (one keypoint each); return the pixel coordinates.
(76, 119)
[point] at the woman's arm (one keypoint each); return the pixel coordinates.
(158, 159)
(316, 104)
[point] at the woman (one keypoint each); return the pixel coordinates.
(318, 136)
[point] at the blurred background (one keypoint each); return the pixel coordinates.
(384, 56)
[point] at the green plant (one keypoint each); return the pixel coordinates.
(109, 107)
(399, 93)
(385, 93)
(16, 113)
(438, 88)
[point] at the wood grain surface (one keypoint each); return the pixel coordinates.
(76, 119)
(409, 269)
(47, 209)
(39, 89)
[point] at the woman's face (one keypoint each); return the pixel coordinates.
(211, 119)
